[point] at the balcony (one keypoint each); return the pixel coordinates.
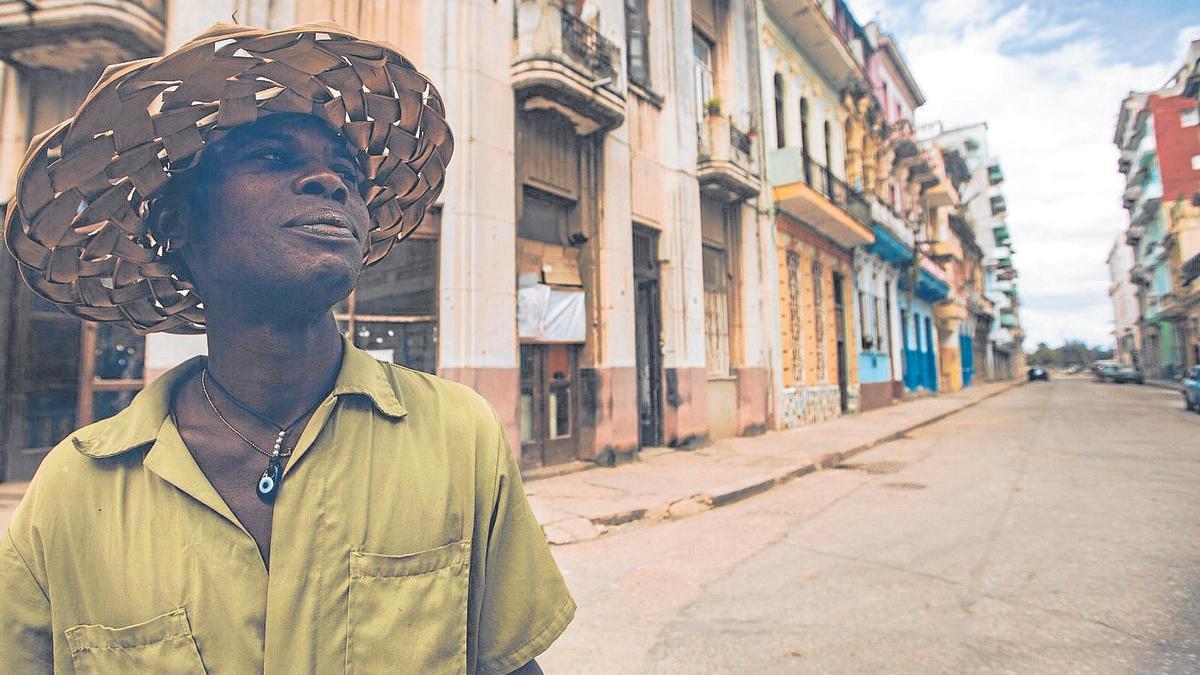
(884, 215)
(1001, 235)
(726, 168)
(1132, 193)
(1134, 234)
(1008, 319)
(1190, 270)
(995, 175)
(75, 36)
(940, 192)
(561, 63)
(807, 24)
(810, 192)
(999, 207)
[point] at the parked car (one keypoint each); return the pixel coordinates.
(1104, 371)
(1191, 389)
(1123, 375)
(1039, 373)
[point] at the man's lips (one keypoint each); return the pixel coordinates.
(329, 224)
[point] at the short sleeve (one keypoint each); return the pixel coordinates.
(525, 604)
(25, 632)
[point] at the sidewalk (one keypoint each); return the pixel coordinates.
(667, 484)
(1173, 385)
(674, 484)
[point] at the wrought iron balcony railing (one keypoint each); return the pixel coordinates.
(589, 47)
(821, 179)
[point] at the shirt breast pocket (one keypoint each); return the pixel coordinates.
(163, 644)
(408, 613)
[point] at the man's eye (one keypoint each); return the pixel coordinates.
(347, 173)
(268, 155)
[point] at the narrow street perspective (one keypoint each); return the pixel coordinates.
(1050, 529)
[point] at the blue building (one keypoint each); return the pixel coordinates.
(918, 330)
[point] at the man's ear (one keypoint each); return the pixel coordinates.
(172, 226)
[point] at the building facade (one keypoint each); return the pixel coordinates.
(594, 266)
(1123, 295)
(894, 201)
(665, 223)
(820, 130)
(1158, 136)
(995, 301)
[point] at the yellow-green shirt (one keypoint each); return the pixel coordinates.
(402, 542)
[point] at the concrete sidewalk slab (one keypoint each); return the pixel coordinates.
(581, 506)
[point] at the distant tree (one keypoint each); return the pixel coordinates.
(1070, 354)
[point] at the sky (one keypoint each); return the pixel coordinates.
(1048, 77)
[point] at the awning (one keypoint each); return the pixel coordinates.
(888, 247)
(1191, 269)
(929, 287)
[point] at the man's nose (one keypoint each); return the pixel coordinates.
(323, 183)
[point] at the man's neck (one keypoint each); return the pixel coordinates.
(277, 368)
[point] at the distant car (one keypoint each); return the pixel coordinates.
(1105, 372)
(1123, 375)
(1039, 373)
(1191, 389)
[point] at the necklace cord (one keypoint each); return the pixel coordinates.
(205, 376)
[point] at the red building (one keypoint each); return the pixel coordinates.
(1177, 135)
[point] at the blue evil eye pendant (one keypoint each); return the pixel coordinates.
(268, 483)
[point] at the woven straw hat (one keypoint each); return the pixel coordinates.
(78, 225)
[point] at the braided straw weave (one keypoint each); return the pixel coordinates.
(78, 226)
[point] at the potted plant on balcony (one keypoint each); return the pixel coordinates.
(713, 106)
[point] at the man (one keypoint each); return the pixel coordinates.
(287, 504)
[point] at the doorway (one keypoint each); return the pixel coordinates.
(547, 415)
(647, 336)
(839, 317)
(967, 349)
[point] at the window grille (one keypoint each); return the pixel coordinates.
(819, 320)
(716, 310)
(796, 338)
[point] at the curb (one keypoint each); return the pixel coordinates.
(578, 528)
(1165, 384)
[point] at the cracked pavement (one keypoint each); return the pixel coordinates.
(1051, 529)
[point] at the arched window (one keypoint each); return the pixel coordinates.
(780, 137)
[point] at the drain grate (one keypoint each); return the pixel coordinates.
(873, 468)
(905, 486)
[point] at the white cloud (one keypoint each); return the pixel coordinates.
(1050, 116)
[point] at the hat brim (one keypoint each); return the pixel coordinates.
(77, 225)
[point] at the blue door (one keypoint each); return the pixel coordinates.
(968, 358)
(931, 378)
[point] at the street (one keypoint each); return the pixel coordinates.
(1051, 529)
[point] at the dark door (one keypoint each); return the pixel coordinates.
(839, 316)
(648, 329)
(547, 416)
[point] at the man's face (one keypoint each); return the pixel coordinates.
(281, 224)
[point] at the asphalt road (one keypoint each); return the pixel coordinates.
(1052, 529)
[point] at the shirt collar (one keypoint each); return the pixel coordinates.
(138, 424)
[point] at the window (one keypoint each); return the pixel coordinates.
(702, 73)
(543, 217)
(393, 311)
(1195, 162)
(882, 311)
(714, 225)
(795, 359)
(780, 140)
(1189, 118)
(637, 33)
(866, 323)
(819, 319)
(804, 131)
